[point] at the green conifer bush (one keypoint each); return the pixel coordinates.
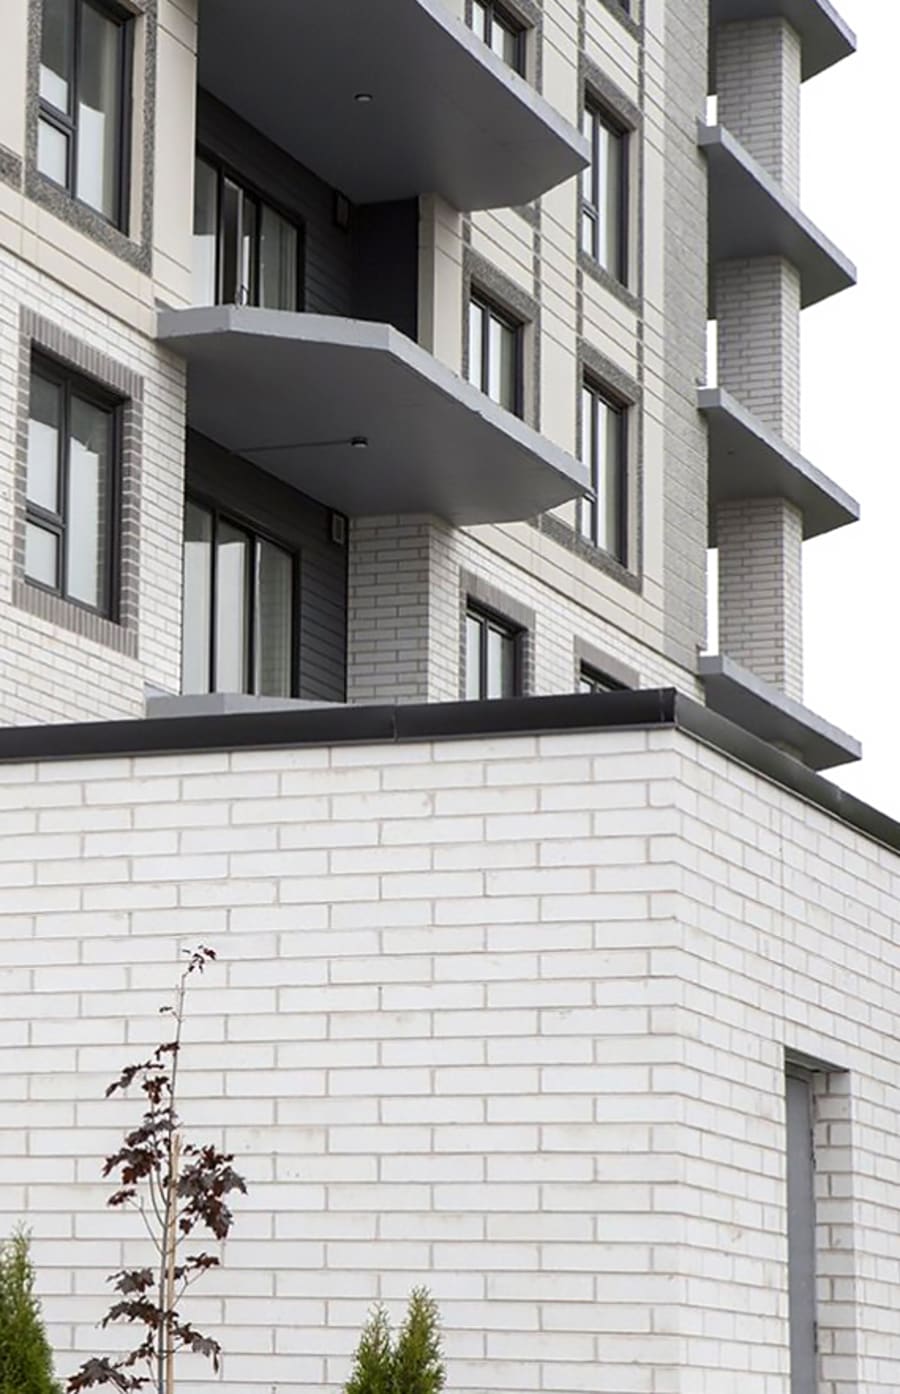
(411, 1364)
(26, 1364)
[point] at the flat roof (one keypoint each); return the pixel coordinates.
(825, 36)
(293, 392)
(652, 709)
(444, 114)
(747, 460)
(750, 215)
(745, 699)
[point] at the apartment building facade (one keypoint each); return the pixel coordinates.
(361, 451)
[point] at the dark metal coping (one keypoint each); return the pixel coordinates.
(521, 716)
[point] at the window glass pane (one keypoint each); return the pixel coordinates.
(473, 658)
(476, 340)
(588, 509)
(232, 571)
(247, 293)
(608, 476)
(42, 487)
(56, 52)
(195, 632)
(87, 506)
(99, 111)
(278, 257)
(587, 175)
(609, 205)
(42, 556)
(505, 41)
(206, 217)
(479, 19)
(500, 663)
(53, 153)
(231, 233)
(273, 621)
(502, 364)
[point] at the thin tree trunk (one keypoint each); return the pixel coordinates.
(171, 1243)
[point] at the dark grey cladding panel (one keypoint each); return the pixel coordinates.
(825, 36)
(750, 215)
(304, 525)
(290, 392)
(756, 706)
(446, 115)
(747, 460)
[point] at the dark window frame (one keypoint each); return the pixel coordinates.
(490, 619)
(592, 679)
(224, 171)
(73, 383)
(599, 393)
(245, 524)
(67, 122)
(508, 320)
(512, 25)
(600, 115)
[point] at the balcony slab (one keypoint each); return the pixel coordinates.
(444, 114)
(826, 38)
(750, 215)
(745, 699)
(358, 416)
(747, 460)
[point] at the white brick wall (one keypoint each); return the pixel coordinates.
(507, 1016)
(758, 84)
(48, 673)
(761, 589)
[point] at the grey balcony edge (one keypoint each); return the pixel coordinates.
(825, 36)
(742, 697)
(749, 460)
(751, 215)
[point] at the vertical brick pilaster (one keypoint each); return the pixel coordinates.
(758, 316)
(387, 621)
(758, 79)
(760, 590)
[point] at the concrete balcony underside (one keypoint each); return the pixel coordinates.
(446, 116)
(747, 460)
(758, 707)
(825, 36)
(750, 215)
(290, 392)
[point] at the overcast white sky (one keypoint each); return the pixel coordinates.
(851, 397)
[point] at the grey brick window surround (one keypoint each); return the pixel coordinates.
(586, 655)
(120, 633)
(480, 275)
(630, 18)
(531, 17)
(134, 245)
(10, 167)
(474, 591)
(602, 372)
(601, 93)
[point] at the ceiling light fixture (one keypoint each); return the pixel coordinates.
(363, 98)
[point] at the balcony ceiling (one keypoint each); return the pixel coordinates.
(747, 460)
(290, 391)
(745, 699)
(446, 116)
(750, 215)
(826, 38)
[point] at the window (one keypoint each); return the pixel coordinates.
(84, 78)
(601, 518)
(593, 680)
(495, 354)
(500, 32)
(604, 193)
(239, 631)
(70, 487)
(245, 251)
(492, 656)
(801, 1209)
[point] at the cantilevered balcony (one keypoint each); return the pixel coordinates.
(750, 215)
(825, 37)
(755, 705)
(387, 99)
(747, 460)
(361, 418)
